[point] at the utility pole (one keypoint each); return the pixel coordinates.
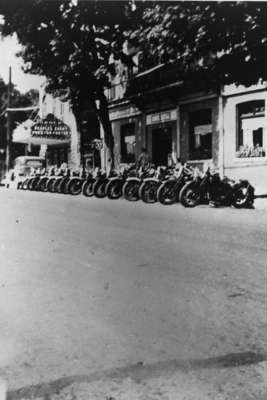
(8, 125)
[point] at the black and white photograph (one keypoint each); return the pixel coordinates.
(133, 200)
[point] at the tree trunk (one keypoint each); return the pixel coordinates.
(79, 119)
(103, 115)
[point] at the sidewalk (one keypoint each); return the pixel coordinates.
(260, 203)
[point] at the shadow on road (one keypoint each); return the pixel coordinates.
(139, 372)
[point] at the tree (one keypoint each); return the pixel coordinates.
(221, 42)
(17, 100)
(71, 44)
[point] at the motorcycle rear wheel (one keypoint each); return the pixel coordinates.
(190, 195)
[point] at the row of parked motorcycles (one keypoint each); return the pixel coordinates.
(166, 185)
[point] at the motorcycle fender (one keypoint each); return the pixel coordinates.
(151, 180)
(170, 178)
(133, 180)
(240, 183)
(114, 178)
(243, 181)
(74, 178)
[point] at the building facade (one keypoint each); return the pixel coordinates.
(245, 133)
(52, 134)
(225, 128)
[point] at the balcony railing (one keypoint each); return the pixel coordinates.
(117, 91)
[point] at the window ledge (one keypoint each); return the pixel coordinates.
(250, 159)
(200, 161)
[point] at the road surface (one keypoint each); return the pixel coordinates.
(88, 286)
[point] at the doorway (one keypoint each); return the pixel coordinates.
(161, 145)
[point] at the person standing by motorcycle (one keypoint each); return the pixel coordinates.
(143, 162)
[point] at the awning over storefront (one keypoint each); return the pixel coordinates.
(46, 131)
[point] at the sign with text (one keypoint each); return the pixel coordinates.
(163, 116)
(51, 128)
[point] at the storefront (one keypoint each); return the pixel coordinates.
(245, 133)
(225, 128)
(49, 135)
(199, 131)
(128, 131)
(161, 129)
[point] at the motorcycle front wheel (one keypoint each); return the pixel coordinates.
(114, 189)
(243, 196)
(30, 184)
(190, 195)
(130, 190)
(75, 186)
(24, 185)
(100, 188)
(63, 186)
(57, 185)
(167, 194)
(42, 185)
(148, 192)
(50, 185)
(88, 186)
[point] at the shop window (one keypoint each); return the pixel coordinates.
(251, 140)
(200, 135)
(128, 143)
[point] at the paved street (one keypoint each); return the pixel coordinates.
(98, 289)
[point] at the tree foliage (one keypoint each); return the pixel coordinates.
(71, 44)
(17, 100)
(224, 42)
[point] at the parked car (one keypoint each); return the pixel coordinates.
(23, 166)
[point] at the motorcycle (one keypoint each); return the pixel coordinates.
(25, 183)
(131, 187)
(33, 182)
(115, 184)
(149, 187)
(210, 188)
(88, 184)
(100, 184)
(168, 191)
(44, 179)
(61, 184)
(50, 184)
